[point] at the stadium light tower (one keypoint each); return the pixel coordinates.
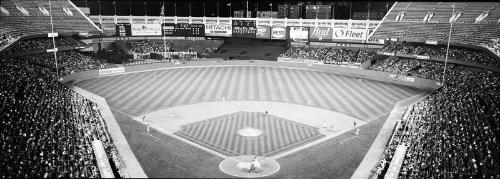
(448, 45)
(54, 39)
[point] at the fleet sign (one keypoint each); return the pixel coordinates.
(351, 34)
(320, 33)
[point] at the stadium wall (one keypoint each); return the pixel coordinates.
(420, 83)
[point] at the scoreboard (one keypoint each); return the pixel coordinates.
(183, 29)
(189, 30)
(244, 28)
(123, 30)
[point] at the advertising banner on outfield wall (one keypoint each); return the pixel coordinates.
(263, 32)
(146, 29)
(223, 30)
(299, 33)
(350, 34)
(320, 33)
(244, 28)
(278, 33)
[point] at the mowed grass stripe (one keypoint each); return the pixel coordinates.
(318, 89)
(98, 84)
(268, 82)
(244, 85)
(215, 85)
(233, 87)
(101, 84)
(341, 93)
(257, 85)
(189, 93)
(152, 85)
(338, 102)
(381, 90)
(352, 95)
(172, 84)
(395, 89)
(185, 83)
(222, 132)
(240, 85)
(290, 97)
(277, 84)
(251, 84)
(310, 100)
(297, 96)
(314, 89)
(121, 88)
(123, 91)
(223, 89)
(201, 86)
(262, 86)
(212, 128)
(191, 86)
(374, 103)
(167, 82)
(368, 97)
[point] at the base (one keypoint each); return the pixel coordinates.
(237, 166)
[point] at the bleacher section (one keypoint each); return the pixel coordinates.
(202, 47)
(250, 49)
(411, 25)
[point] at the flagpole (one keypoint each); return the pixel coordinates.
(448, 45)
(271, 10)
(114, 3)
(367, 25)
(163, 31)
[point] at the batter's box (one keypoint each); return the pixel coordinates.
(249, 133)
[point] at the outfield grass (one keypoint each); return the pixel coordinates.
(164, 156)
(331, 159)
(167, 157)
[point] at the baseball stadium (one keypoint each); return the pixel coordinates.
(249, 89)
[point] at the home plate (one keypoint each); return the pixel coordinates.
(240, 166)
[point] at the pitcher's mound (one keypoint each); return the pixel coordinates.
(239, 166)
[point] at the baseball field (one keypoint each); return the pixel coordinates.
(195, 114)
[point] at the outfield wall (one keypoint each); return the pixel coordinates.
(420, 83)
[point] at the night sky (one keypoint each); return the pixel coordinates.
(181, 8)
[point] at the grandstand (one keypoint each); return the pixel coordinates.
(415, 94)
(431, 21)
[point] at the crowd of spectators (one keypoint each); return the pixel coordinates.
(47, 128)
(411, 67)
(494, 46)
(67, 62)
(41, 44)
(328, 55)
(457, 53)
(6, 39)
(149, 46)
(454, 132)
